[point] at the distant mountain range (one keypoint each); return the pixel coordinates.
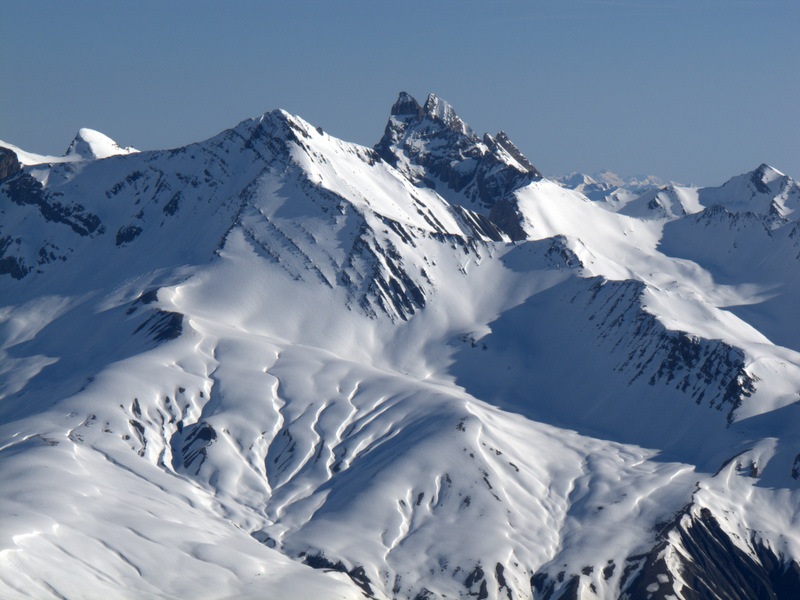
(275, 364)
(598, 186)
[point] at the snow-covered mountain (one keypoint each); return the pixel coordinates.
(274, 364)
(764, 190)
(608, 186)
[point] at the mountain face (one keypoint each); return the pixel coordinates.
(274, 364)
(433, 148)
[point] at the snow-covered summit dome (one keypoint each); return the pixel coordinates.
(91, 144)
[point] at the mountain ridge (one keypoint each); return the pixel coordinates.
(419, 370)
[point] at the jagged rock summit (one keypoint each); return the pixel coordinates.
(432, 146)
(275, 364)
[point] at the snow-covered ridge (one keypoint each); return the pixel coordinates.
(277, 364)
(88, 144)
(764, 190)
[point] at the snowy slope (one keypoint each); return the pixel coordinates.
(276, 364)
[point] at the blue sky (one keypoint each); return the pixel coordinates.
(694, 91)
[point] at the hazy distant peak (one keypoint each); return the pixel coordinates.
(573, 180)
(91, 144)
(636, 181)
(764, 176)
(766, 170)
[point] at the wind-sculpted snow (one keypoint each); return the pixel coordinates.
(277, 365)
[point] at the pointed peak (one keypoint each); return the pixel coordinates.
(275, 117)
(406, 105)
(441, 110)
(436, 107)
(502, 140)
(766, 180)
(91, 144)
(766, 172)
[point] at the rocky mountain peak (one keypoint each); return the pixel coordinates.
(436, 149)
(506, 144)
(406, 105)
(764, 177)
(440, 110)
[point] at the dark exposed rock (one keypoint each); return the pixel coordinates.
(171, 207)
(23, 189)
(148, 297)
(479, 225)
(571, 591)
(506, 216)
(712, 566)
(357, 574)
(190, 443)
(474, 576)
(545, 587)
(9, 164)
(14, 266)
(406, 105)
(433, 138)
(424, 594)
(757, 179)
(127, 234)
(711, 372)
(501, 581)
(163, 326)
(505, 143)
(374, 274)
(473, 579)
(11, 265)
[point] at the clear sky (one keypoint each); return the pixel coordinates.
(690, 90)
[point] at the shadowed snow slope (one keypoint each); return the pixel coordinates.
(274, 364)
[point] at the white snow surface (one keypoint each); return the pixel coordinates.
(359, 376)
(91, 144)
(30, 158)
(88, 144)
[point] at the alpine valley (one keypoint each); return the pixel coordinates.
(277, 365)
